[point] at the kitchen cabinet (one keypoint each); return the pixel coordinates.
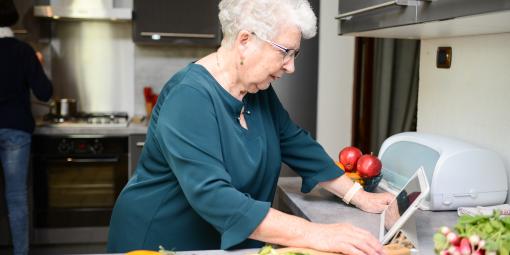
(189, 23)
(450, 9)
(363, 15)
(422, 19)
(29, 28)
(136, 143)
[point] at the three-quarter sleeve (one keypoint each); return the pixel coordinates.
(189, 138)
(300, 151)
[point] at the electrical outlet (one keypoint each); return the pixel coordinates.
(444, 57)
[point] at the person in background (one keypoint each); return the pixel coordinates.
(215, 143)
(20, 73)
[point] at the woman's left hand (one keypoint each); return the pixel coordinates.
(372, 202)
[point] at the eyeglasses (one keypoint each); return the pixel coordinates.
(287, 53)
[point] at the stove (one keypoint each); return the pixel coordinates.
(89, 120)
(76, 180)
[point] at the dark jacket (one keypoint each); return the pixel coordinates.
(20, 72)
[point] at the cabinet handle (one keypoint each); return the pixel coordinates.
(187, 35)
(20, 31)
(86, 160)
(348, 15)
(140, 144)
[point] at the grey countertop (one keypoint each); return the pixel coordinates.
(131, 129)
(324, 207)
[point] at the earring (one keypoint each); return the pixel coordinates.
(242, 62)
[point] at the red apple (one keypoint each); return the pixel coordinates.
(368, 166)
(348, 156)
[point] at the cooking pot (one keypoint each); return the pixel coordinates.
(65, 107)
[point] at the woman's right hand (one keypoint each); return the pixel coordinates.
(344, 238)
(40, 57)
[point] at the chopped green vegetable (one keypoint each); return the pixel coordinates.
(268, 250)
(162, 251)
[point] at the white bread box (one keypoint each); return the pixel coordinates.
(459, 173)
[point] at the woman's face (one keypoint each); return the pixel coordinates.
(264, 62)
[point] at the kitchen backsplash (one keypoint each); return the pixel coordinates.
(97, 63)
(154, 65)
(93, 62)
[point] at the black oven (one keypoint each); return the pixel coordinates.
(76, 182)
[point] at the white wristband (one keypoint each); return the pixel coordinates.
(350, 194)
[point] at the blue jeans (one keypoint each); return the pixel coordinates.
(15, 155)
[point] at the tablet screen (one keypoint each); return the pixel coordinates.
(401, 203)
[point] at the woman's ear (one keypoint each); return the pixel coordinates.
(242, 40)
(244, 45)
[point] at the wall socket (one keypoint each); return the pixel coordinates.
(444, 57)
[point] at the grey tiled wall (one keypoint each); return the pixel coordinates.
(154, 65)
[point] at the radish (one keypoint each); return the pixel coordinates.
(478, 252)
(465, 246)
(454, 250)
(474, 239)
(444, 230)
(481, 244)
(453, 238)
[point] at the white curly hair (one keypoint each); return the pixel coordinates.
(265, 17)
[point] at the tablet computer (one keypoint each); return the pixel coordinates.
(403, 206)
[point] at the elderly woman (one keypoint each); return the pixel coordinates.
(215, 144)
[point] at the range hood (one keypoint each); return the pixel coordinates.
(86, 9)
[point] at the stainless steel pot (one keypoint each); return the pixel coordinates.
(65, 107)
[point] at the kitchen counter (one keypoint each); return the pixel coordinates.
(219, 252)
(323, 207)
(208, 252)
(131, 129)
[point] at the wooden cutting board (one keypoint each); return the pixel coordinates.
(302, 250)
(388, 249)
(305, 250)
